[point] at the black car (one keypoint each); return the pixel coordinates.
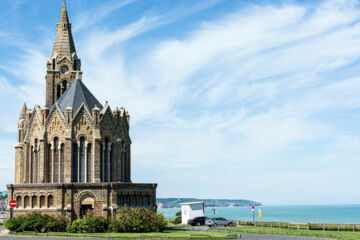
(197, 221)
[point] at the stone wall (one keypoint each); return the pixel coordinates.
(66, 199)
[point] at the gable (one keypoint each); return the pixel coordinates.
(83, 123)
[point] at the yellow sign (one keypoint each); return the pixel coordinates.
(260, 215)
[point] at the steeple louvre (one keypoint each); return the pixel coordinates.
(64, 43)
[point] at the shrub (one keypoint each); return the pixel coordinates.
(36, 222)
(14, 224)
(178, 218)
(89, 225)
(56, 224)
(139, 220)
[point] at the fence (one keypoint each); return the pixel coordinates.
(307, 226)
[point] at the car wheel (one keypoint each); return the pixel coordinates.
(214, 225)
(230, 225)
(198, 224)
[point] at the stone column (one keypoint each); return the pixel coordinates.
(29, 165)
(59, 162)
(109, 163)
(103, 162)
(26, 152)
(118, 160)
(96, 160)
(129, 163)
(18, 162)
(78, 162)
(42, 162)
(68, 164)
(31, 180)
(123, 165)
(86, 160)
(38, 164)
(52, 162)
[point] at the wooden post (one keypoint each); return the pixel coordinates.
(308, 226)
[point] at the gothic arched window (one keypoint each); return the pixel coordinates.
(61, 164)
(106, 160)
(88, 164)
(34, 202)
(56, 159)
(50, 201)
(49, 164)
(35, 162)
(19, 203)
(42, 202)
(26, 202)
(58, 91)
(64, 86)
(75, 162)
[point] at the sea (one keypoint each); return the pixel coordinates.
(296, 214)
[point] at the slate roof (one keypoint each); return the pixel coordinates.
(75, 95)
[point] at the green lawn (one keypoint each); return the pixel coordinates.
(343, 235)
(168, 233)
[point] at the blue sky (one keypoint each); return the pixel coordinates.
(250, 100)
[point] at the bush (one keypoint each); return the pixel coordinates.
(139, 220)
(56, 224)
(89, 225)
(178, 218)
(14, 224)
(36, 222)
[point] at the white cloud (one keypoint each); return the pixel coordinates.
(257, 87)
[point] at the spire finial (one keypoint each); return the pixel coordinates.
(64, 4)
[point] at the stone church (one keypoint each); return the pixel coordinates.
(73, 155)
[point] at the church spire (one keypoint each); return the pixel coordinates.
(64, 63)
(64, 43)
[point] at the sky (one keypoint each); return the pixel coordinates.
(256, 100)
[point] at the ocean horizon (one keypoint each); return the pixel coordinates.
(284, 213)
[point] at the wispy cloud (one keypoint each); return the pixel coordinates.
(258, 90)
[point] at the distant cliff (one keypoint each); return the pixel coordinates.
(175, 202)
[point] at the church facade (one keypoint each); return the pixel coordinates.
(74, 154)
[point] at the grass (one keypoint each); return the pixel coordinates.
(168, 233)
(343, 235)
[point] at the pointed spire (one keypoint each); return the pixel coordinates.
(23, 111)
(64, 43)
(64, 16)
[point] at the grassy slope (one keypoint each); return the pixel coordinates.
(312, 233)
(170, 233)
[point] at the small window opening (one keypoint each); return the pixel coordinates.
(58, 92)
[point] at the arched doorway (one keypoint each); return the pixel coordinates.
(86, 205)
